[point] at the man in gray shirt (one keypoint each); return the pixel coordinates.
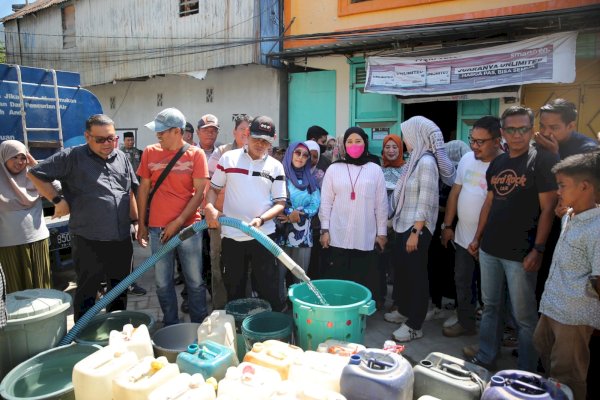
(98, 183)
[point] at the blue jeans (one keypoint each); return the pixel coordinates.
(495, 273)
(190, 255)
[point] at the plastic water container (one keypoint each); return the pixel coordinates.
(240, 309)
(318, 370)
(37, 321)
(47, 375)
(93, 376)
(184, 387)
(98, 330)
(139, 381)
(340, 348)
(207, 358)
(220, 328)
(515, 384)
(248, 381)
(447, 377)
(267, 325)
(133, 339)
(428, 397)
(377, 374)
(345, 318)
(291, 391)
(275, 355)
(174, 339)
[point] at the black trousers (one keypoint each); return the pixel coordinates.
(96, 261)
(411, 283)
(237, 257)
(353, 265)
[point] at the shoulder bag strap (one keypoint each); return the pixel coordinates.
(166, 171)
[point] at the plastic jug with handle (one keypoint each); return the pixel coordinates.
(133, 339)
(220, 328)
(248, 381)
(137, 382)
(275, 355)
(184, 387)
(207, 358)
(93, 376)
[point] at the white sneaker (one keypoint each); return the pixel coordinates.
(434, 313)
(395, 317)
(406, 334)
(451, 321)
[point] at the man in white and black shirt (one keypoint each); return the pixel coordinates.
(255, 194)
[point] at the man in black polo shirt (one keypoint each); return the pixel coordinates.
(98, 182)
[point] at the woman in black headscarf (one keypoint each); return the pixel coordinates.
(353, 212)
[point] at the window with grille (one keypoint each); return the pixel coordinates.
(159, 98)
(209, 95)
(68, 26)
(113, 102)
(188, 7)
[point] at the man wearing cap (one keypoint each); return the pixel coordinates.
(208, 129)
(255, 194)
(188, 134)
(173, 207)
(98, 184)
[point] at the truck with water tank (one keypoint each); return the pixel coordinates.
(46, 110)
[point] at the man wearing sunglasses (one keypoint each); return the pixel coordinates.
(513, 227)
(98, 184)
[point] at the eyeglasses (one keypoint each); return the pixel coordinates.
(302, 154)
(104, 139)
(478, 142)
(521, 130)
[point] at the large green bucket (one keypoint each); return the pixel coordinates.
(267, 325)
(99, 328)
(344, 319)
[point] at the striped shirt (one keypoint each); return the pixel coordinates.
(420, 197)
(353, 224)
(253, 186)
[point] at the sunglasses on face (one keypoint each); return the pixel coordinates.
(104, 139)
(302, 154)
(521, 130)
(478, 142)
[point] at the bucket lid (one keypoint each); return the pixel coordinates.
(35, 303)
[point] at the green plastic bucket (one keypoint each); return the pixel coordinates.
(268, 325)
(99, 327)
(241, 309)
(47, 375)
(344, 319)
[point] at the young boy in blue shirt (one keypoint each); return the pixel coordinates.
(570, 304)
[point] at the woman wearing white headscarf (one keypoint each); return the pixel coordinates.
(416, 211)
(24, 253)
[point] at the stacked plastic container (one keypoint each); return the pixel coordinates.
(207, 358)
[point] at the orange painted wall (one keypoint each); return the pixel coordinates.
(317, 16)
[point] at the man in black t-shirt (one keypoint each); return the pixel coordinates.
(513, 227)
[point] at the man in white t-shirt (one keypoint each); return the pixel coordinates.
(255, 194)
(466, 199)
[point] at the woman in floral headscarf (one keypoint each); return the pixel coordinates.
(304, 199)
(24, 253)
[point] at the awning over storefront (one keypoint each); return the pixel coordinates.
(544, 59)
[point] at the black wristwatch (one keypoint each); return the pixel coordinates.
(414, 230)
(540, 248)
(57, 199)
(262, 221)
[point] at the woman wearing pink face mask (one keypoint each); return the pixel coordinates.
(353, 213)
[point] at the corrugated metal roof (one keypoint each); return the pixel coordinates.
(31, 8)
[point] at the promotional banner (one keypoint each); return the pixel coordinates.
(544, 59)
